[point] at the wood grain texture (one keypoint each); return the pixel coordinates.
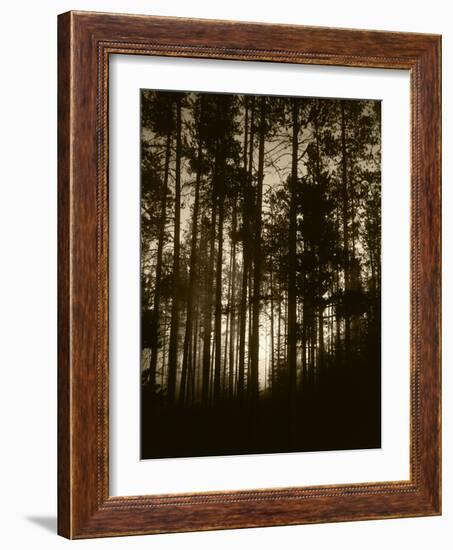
(85, 42)
(64, 132)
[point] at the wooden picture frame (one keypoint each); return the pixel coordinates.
(85, 41)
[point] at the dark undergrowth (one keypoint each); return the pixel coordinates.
(338, 410)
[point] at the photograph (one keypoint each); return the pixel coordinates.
(260, 267)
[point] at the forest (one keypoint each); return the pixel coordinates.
(260, 274)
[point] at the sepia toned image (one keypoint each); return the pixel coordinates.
(260, 274)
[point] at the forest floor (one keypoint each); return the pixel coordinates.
(338, 412)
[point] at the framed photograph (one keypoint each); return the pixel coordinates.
(249, 275)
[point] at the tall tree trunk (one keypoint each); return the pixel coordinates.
(163, 374)
(245, 248)
(160, 248)
(232, 303)
(292, 257)
(337, 288)
(186, 361)
(344, 191)
(279, 331)
(320, 337)
(254, 364)
(226, 347)
(320, 250)
(304, 342)
(272, 323)
(250, 318)
(243, 318)
(174, 329)
(218, 298)
(207, 321)
(236, 361)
